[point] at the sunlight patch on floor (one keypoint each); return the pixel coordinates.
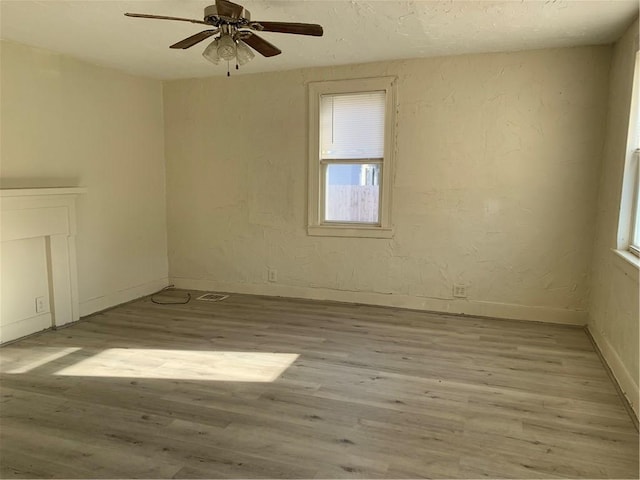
(23, 360)
(183, 365)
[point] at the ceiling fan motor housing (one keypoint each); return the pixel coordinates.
(212, 16)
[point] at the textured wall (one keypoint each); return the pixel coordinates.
(494, 186)
(614, 313)
(68, 123)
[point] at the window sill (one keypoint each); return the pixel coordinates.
(357, 232)
(627, 262)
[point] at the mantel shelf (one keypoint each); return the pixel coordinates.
(23, 192)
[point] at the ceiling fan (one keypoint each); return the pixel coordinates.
(233, 23)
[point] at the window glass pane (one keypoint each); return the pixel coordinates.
(352, 125)
(352, 193)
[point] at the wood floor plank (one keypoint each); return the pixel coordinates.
(161, 391)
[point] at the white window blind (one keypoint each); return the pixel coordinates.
(352, 126)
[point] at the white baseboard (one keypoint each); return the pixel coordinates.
(454, 306)
(22, 328)
(625, 381)
(97, 304)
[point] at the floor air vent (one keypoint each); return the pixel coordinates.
(212, 297)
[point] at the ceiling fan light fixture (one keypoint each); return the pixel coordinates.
(243, 53)
(211, 52)
(226, 48)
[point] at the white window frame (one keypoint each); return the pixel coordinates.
(634, 243)
(627, 246)
(316, 225)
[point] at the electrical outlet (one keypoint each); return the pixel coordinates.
(272, 274)
(459, 290)
(41, 305)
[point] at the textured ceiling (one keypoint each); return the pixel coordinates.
(355, 31)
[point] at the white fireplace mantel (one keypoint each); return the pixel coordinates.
(48, 213)
(31, 192)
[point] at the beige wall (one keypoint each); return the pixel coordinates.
(614, 313)
(497, 164)
(69, 123)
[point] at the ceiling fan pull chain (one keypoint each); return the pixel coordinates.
(228, 73)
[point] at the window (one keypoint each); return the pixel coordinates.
(629, 221)
(634, 243)
(351, 136)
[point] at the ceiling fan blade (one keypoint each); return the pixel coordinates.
(193, 39)
(263, 47)
(229, 9)
(162, 17)
(288, 27)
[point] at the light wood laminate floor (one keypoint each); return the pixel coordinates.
(256, 387)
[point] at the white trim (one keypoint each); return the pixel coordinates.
(113, 299)
(22, 328)
(350, 231)
(635, 211)
(629, 181)
(451, 306)
(627, 262)
(623, 377)
(23, 192)
(48, 213)
(315, 202)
